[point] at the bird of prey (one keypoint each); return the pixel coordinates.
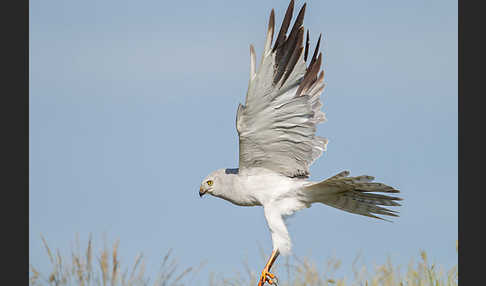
(277, 142)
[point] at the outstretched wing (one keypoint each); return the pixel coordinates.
(277, 124)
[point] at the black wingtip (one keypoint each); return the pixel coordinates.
(307, 42)
(316, 50)
(285, 25)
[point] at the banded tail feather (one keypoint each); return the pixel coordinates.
(358, 195)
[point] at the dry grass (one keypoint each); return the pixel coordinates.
(105, 269)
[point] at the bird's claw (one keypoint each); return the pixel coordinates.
(266, 277)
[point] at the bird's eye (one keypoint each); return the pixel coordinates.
(210, 183)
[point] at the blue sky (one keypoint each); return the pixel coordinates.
(133, 103)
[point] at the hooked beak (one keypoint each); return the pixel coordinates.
(201, 192)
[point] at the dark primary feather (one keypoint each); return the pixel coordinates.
(306, 52)
(292, 60)
(316, 50)
(289, 49)
(285, 25)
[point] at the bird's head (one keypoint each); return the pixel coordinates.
(207, 186)
(217, 182)
(210, 184)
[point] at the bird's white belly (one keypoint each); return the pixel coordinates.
(268, 187)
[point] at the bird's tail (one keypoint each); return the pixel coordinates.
(353, 194)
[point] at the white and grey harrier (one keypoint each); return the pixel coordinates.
(276, 129)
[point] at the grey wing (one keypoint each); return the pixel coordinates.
(277, 124)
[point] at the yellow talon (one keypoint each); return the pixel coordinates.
(266, 277)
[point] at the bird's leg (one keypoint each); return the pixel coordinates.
(266, 275)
